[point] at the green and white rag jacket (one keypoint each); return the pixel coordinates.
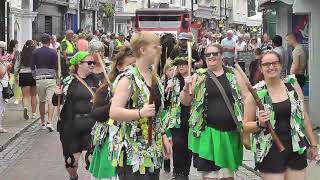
(262, 142)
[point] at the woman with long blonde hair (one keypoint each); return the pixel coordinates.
(140, 145)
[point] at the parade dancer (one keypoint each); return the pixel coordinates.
(168, 74)
(140, 145)
(284, 109)
(76, 123)
(100, 166)
(215, 118)
(178, 116)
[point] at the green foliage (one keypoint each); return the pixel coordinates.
(108, 10)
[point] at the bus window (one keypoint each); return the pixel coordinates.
(169, 21)
(149, 21)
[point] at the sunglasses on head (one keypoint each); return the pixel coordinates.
(214, 54)
(89, 62)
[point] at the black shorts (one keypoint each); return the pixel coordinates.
(276, 162)
(26, 79)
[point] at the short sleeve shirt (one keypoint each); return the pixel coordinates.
(229, 44)
(298, 54)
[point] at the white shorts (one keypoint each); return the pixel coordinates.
(222, 173)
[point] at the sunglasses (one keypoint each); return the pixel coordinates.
(89, 62)
(213, 54)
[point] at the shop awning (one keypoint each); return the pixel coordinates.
(265, 3)
(255, 20)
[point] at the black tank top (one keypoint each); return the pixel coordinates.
(216, 113)
(282, 112)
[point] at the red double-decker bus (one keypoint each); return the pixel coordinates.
(163, 20)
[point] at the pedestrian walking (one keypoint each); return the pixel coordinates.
(216, 116)
(76, 123)
(100, 166)
(4, 81)
(43, 67)
(284, 109)
(142, 156)
(22, 69)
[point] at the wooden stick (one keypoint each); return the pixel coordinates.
(261, 107)
(104, 68)
(59, 83)
(189, 64)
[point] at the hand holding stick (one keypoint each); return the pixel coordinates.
(189, 64)
(59, 83)
(261, 107)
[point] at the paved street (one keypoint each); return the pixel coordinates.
(28, 153)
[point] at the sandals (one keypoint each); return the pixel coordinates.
(3, 130)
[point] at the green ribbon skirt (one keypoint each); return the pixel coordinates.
(100, 166)
(223, 148)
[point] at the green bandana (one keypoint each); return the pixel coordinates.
(180, 60)
(78, 57)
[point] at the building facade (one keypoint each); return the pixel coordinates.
(50, 18)
(88, 15)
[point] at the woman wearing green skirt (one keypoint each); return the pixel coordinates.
(100, 165)
(214, 135)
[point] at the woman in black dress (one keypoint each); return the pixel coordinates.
(76, 123)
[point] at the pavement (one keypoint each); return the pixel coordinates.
(28, 153)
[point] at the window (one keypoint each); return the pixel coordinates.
(183, 3)
(48, 24)
(172, 1)
(159, 21)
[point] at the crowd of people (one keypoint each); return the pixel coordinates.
(130, 104)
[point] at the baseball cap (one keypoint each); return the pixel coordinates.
(184, 35)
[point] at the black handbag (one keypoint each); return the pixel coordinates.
(7, 92)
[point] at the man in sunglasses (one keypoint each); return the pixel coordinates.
(182, 50)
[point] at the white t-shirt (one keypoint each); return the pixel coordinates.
(4, 80)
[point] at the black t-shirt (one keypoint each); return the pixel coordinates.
(183, 52)
(217, 115)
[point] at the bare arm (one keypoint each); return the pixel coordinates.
(118, 112)
(295, 64)
(185, 97)
(249, 119)
(307, 122)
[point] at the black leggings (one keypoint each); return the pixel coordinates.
(181, 154)
(125, 173)
(138, 177)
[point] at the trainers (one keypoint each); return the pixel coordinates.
(43, 126)
(50, 127)
(25, 114)
(16, 102)
(3, 130)
(33, 115)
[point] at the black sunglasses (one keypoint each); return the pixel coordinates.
(89, 62)
(214, 54)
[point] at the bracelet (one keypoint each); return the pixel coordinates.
(313, 146)
(139, 113)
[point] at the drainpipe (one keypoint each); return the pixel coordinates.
(8, 23)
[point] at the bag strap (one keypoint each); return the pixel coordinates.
(84, 84)
(224, 96)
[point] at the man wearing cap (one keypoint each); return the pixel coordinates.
(43, 66)
(182, 50)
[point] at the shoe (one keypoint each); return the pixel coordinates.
(16, 102)
(43, 126)
(50, 127)
(3, 130)
(25, 114)
(33, 115)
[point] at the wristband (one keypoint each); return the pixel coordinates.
(139, 113)
(313, 146)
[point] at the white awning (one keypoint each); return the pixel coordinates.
(255, 20)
